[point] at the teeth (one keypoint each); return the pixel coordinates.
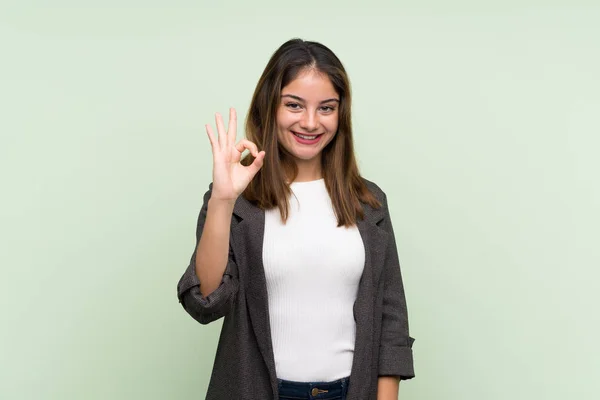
(305, 137)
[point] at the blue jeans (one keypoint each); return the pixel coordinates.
(337, 390)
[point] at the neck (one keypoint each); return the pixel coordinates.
(308, 170)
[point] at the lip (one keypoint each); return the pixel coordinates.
(305, 141)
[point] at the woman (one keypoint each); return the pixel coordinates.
(296, 250)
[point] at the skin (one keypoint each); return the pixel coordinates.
(388, 388)
(309, 106)
(230, 178)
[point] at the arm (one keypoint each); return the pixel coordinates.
(212, 265)
(395, 352)
(387, 388)
(212, 251)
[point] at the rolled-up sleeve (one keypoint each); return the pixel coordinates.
(395, 352)
(219, 302)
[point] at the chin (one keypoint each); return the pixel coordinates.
(305, 156)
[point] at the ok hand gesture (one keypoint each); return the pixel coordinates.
(230, 178)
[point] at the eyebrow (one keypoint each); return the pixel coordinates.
(293, 96)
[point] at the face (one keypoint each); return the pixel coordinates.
(307, 117)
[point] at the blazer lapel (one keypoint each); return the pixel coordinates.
(247, 238)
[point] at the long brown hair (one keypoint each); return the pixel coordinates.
(269, 189)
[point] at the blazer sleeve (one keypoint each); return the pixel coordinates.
(395, 352)
(219, 302)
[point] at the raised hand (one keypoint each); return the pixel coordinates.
(230, 177)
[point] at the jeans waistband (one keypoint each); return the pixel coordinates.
(314, 390)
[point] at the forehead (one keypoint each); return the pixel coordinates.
(311, 85)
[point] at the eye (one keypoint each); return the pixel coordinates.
(328, 109)
(293, 106)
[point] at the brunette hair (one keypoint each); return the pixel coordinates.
(269, 188)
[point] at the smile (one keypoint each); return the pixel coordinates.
(306, 137)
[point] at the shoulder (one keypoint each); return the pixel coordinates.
(375, 189)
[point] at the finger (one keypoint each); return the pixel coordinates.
(211, 136)
(256, 164)
(232, 127)
(246, 144)
(221, 130)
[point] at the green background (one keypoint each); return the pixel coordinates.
(480, 121)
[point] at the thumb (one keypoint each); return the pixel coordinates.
(256, 164)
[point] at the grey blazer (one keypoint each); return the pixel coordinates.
(244, 366)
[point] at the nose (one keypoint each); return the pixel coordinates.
(309, 121)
